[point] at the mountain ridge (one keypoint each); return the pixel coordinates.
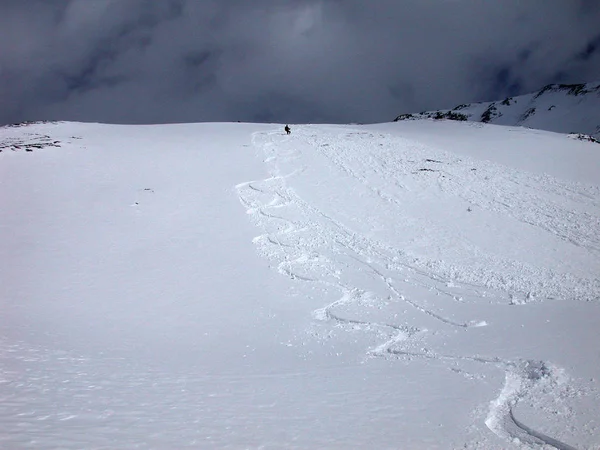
(562, 108)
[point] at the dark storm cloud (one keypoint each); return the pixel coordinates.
(142, 61)
(590, 49)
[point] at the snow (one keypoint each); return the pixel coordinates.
(562, 108)
(419, 284)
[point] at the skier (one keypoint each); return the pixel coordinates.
(287, 129)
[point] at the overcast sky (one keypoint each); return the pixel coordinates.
(154, 61)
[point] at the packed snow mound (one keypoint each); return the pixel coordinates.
(562, 108)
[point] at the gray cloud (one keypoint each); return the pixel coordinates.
(143, 61)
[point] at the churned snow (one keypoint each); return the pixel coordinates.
(420, 284)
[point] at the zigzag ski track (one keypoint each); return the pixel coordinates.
(314, 233)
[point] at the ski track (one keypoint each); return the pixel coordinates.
(487, 186)
(308, 245)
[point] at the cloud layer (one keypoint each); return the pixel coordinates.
(142, 61)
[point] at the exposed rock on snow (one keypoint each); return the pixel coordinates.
(563, 108)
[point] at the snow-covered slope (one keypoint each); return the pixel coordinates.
(562, 108)
(420, 284)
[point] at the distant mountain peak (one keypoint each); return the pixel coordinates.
(562, 108)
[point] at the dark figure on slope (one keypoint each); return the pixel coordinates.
(287, 129)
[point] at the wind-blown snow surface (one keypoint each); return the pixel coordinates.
(408, 285)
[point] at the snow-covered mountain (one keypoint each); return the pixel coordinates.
(562, 108)
(410, 285)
